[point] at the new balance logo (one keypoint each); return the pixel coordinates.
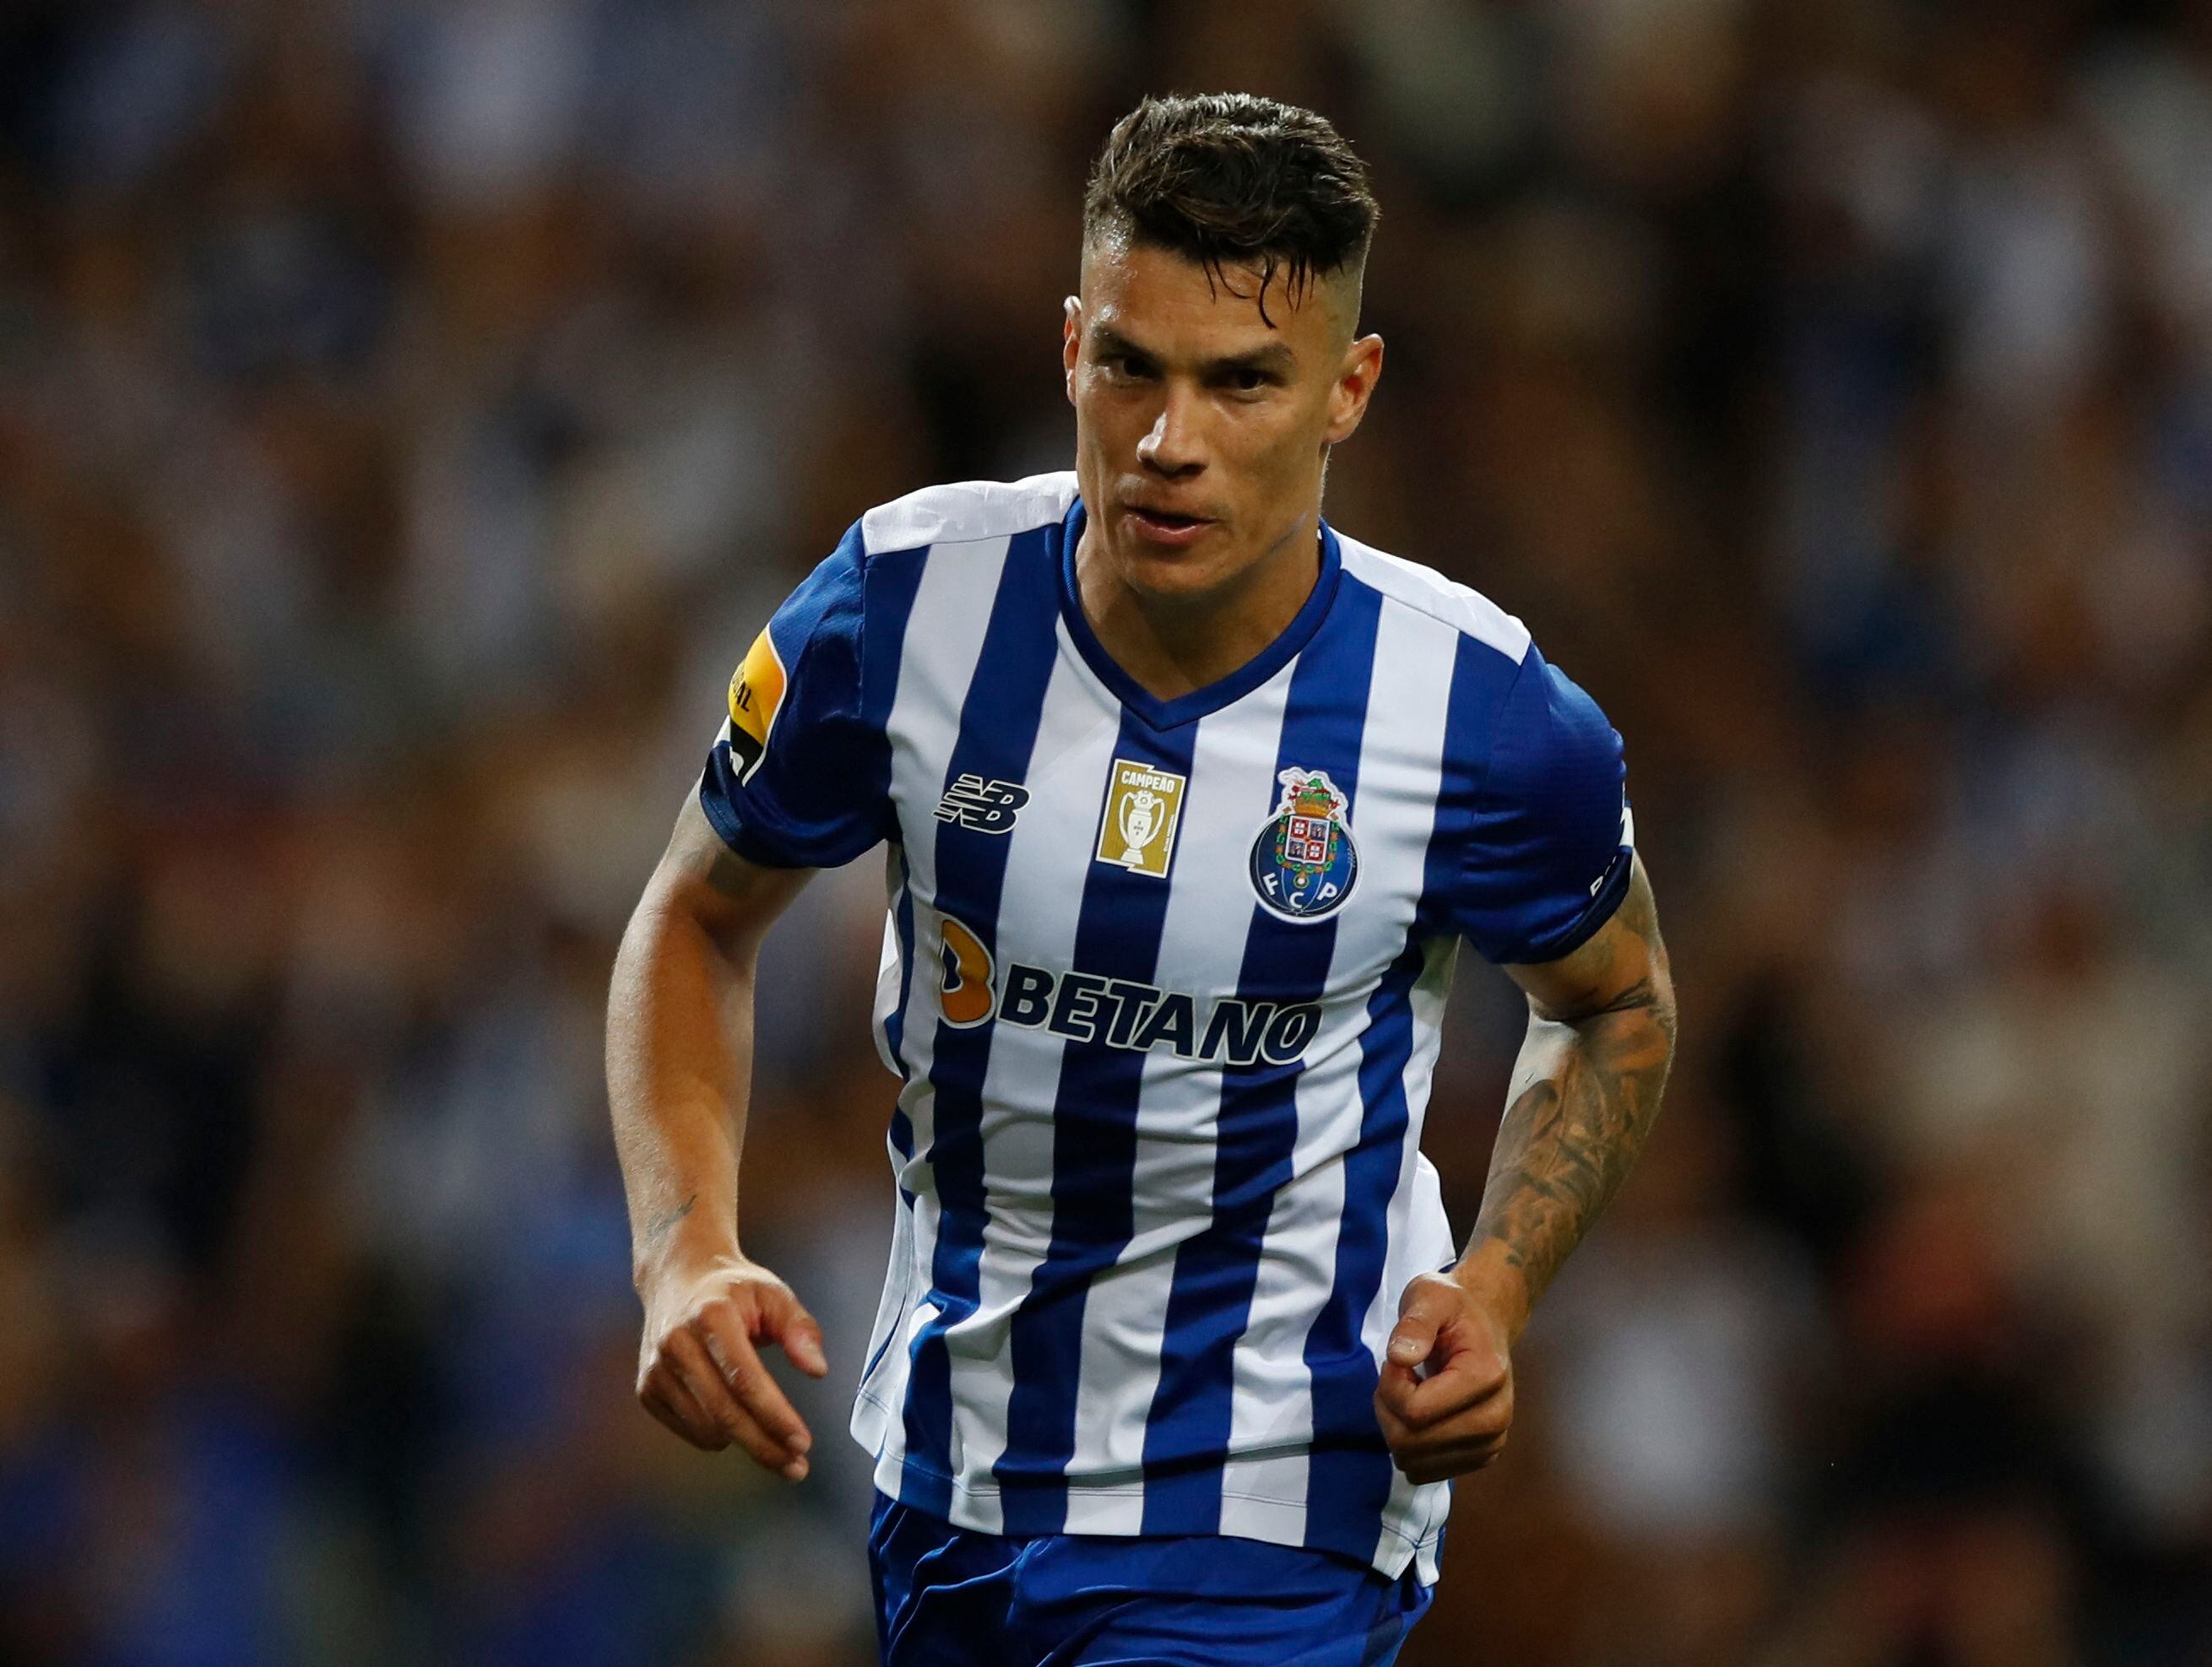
(983, 807)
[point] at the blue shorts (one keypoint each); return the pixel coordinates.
(946, 1597)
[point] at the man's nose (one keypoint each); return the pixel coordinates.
(1174, 447)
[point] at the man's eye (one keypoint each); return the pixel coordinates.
(1248, 381)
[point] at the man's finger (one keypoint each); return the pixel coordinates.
(1453, 1442)
(1487, 1420)
(1424, 1464)
(1396, 1433)
(769, 1454)
(724, 1409)
(734, 1419)
(1421, 1475)
(1424, 1460)
(802, 1341)
(664, 1396)
(795, 1331)
(1418, 1403)
(1394, 1389)
(687, 1423)
(740, 1368)
(1466, 1381)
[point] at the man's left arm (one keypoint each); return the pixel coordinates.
(1585, 1090)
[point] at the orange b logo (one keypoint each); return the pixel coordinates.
(968, 997)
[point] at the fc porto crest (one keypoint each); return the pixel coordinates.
(1304, 863)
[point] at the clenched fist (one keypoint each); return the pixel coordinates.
(1446, 1399)
(700, 1371)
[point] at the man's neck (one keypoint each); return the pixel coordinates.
(1173, 647)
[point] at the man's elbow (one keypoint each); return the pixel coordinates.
(1629, 1027)
(677, 907)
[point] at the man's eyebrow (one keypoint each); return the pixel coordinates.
(1106, 339)
(1273, 357)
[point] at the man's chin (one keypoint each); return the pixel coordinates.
(1166, 573)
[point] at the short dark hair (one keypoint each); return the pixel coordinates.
(1227, 178)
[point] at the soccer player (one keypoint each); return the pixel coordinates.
(1187, 799)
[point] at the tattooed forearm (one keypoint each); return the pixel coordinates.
(661, 1224)
(1584, 1093)
(1584, 1098)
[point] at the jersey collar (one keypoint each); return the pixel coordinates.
(1187, 708)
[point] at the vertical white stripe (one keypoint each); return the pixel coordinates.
(938, 659)
(1232, 782)
(1392, 815)
(1047, 862)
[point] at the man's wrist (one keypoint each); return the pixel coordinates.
(687, 1248)
(1487, 1274)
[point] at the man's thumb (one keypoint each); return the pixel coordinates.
(803, 1343)
(1423, 1312)
(802, 1340)
(1413, 1339)
(785, 1319)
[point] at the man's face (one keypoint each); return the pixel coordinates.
(1201, 428)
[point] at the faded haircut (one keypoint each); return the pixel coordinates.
(1229, 179)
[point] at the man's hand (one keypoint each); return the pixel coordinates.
(1446, 1399)
(700, 1371)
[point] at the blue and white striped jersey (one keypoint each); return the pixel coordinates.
(1164, 980)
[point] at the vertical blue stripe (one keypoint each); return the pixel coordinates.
(999, 722)
(890, 581)
(1348, 1485)
(1481, 679)
(1186, 1433)
(893, 579)
(1094, 1156)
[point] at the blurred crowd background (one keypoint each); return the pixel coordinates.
(409, 409)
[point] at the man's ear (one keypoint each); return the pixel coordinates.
(1356, 373)
(1071, 340)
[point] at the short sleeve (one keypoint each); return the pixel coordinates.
(1551, 840)
(797, 778)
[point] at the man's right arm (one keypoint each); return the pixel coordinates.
(679, 1065)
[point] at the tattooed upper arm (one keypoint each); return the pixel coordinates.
(735, 899)
(1623, 964)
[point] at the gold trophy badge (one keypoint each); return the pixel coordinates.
(1144, 809)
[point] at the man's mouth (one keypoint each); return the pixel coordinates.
(1164, 526)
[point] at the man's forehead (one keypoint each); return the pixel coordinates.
(1127, 286)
